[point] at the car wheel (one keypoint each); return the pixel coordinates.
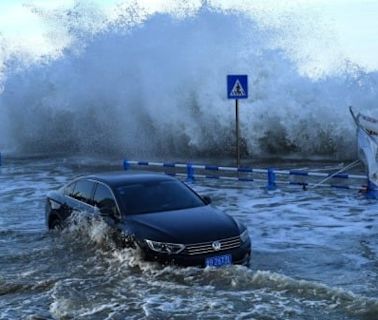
(56, 224)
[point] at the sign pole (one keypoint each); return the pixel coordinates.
(237, 88)
(237, 133)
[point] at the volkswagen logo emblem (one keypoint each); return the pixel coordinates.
(216, 245)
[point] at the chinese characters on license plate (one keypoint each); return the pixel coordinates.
(219, 261)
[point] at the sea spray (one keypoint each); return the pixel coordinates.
(156, 88)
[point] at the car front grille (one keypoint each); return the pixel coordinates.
(207, 247)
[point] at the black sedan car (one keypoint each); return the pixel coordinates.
(158, 213)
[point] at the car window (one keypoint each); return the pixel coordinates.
(83, 191)
(103, 199)
(68, 191)
(157, 196)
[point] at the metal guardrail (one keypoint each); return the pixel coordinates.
(295, 177)
(302, 178)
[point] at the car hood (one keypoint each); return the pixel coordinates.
(185, 226)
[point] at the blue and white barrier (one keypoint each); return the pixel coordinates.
(295, 177)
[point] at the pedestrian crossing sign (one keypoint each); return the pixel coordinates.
(237, 86)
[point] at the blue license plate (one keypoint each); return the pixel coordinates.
(219, 261)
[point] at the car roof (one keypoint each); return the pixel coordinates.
(121, 178)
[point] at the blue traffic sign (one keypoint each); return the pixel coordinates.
(237, 86)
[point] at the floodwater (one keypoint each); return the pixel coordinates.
(315, 256)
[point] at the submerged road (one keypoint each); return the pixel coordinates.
(315, 256)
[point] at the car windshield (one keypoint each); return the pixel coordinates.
(157, 196)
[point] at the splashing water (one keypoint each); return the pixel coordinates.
(82, 223)
(154, 86)
(125, 268)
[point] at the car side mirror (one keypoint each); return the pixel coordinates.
(207, 200)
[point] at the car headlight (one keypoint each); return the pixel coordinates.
(164, 247)
(244, 236)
